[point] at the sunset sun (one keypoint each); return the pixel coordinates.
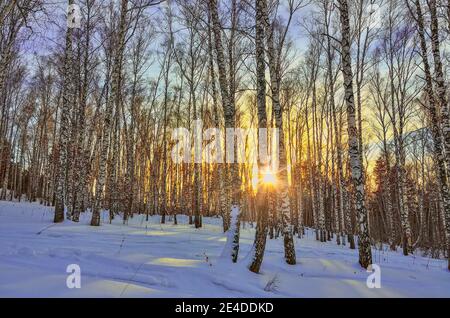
(269, 177)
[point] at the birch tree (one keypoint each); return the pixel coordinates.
(365, 253)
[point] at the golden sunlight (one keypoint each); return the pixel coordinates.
(269, 177)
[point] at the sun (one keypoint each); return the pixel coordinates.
(269, 177)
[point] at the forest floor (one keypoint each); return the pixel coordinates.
(147, 259)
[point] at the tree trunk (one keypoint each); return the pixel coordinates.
(283, 186)
(365, 253)
(232, 179)
(261, 197)
(67, 101)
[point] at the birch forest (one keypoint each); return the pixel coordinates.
(353, 94)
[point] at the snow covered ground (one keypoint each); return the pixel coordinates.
(153, 260)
